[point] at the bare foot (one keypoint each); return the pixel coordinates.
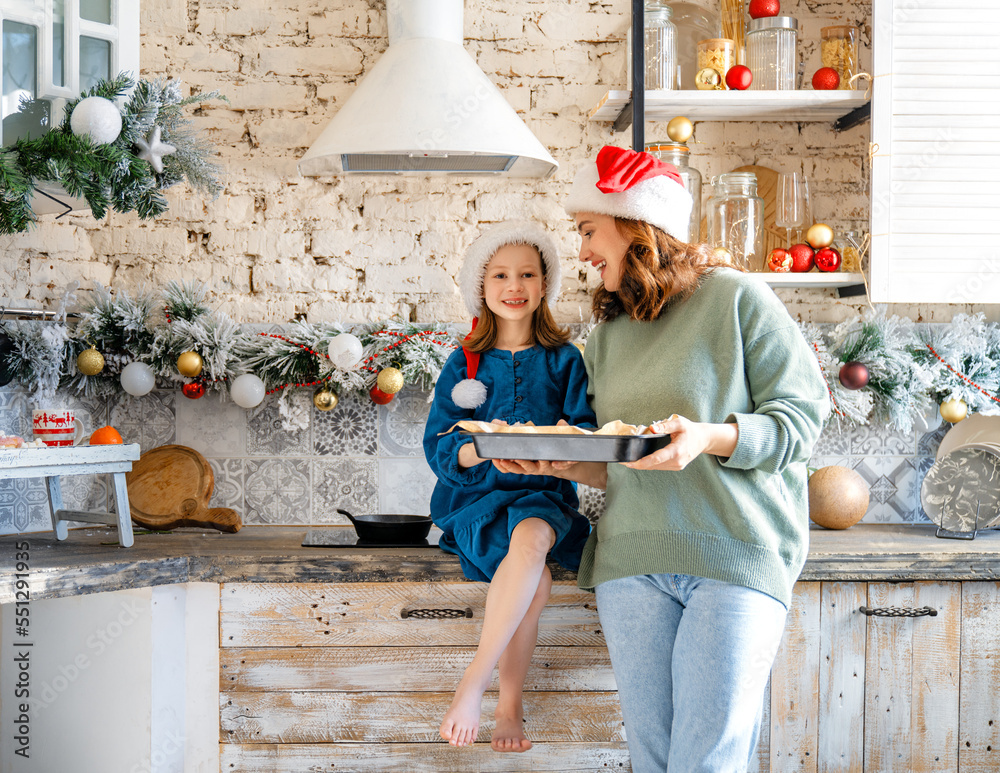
(460, 725)
(509, 733)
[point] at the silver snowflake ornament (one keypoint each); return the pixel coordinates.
(153, 150)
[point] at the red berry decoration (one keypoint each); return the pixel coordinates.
(826, 79)
(379, 397)
(827, 259)
(779, 261)
(802, 257)
(759, 9)
(739, 77)
(194, 390)
(853, 375)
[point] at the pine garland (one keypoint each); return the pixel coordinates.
(847, 407)
(110, 175)
(419, 351)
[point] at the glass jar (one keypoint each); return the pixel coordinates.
(693, 23)
(735, 216)
(839, 50)
(678, 154)
(848, 244)
(717, 53)
(660, 46)
(771, 52)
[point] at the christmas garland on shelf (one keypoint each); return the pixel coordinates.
(114, 158)
(877, 368)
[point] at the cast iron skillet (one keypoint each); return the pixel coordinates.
(390, 529)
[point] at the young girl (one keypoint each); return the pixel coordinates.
(516, 366)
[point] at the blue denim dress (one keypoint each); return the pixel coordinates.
(477, 508)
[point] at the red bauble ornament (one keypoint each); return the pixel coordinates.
(802, 257)
(779, 261)
(826, 79)
(760, 9)
(828, 259)
(194, 390)
(378, 396)
(853, 375)
(739, 77)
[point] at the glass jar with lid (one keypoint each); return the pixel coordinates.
(660, 46)
(717, 53)
(735, 219)
(839, 50)
(771, 56)
(678, 154)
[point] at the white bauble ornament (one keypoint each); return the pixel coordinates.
(137, 379)
(345, 350)
(247, 391)
(97, 118)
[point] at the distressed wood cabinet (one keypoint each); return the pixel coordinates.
(356, 676)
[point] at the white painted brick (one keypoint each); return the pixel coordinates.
(266, 96)
(341, 58)
(164, 17)
(275, 245)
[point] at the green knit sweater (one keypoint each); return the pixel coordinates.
(728, 353)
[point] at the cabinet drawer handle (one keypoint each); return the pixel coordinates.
(436, 614)
(898, 611)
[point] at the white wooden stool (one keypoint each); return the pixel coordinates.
(52, 463)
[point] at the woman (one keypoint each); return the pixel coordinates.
(695, 557)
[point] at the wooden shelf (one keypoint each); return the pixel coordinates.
(813, 279)
(661, 105)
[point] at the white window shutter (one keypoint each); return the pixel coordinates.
(935, 209)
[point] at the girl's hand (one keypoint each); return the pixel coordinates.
(532, 466)
(688, 440)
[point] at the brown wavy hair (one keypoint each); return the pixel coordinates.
(656, 270)
(544, 330)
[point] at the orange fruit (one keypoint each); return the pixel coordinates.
(106, 436)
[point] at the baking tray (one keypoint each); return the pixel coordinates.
(565, 448)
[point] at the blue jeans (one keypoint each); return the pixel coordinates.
(691, 658)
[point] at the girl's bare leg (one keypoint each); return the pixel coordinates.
(509, 733)
(511, 593)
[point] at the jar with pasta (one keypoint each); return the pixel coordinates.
(717, 53)
(839, 50)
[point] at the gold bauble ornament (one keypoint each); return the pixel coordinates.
(325, 399)
(680, 129)
(819, 235)
(708, 79)
(723, 254)
(90, 362)
(190, 364)
(390, 380)
(838, 497)
(953, 411)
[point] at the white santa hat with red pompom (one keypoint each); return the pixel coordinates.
(470, 393)
(635, 186)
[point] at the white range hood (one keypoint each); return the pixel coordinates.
(426, 108)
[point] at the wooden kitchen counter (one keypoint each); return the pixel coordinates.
(91, 560)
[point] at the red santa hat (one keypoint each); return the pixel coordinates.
(634, 186)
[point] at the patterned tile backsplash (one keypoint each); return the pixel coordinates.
(363, 458)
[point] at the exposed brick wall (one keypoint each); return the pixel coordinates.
(276, 245)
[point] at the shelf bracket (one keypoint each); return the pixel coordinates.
(851, 290)
(624, 119)
(856, 116)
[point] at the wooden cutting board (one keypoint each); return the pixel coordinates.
(170, 487)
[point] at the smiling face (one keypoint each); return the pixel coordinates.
(515, 284)
(603, 246)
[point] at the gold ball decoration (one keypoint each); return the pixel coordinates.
(190, 364)
(838, 497)
(390, 380)
(819, 235)
(680, 129)
(708, 79)
(90, 362)
(325, 399)
(723, 254)
(953, 411)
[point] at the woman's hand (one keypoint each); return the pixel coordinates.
(688, 440)
(593, 474)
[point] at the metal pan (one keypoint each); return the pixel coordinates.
(390, 529)
(567, 448)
